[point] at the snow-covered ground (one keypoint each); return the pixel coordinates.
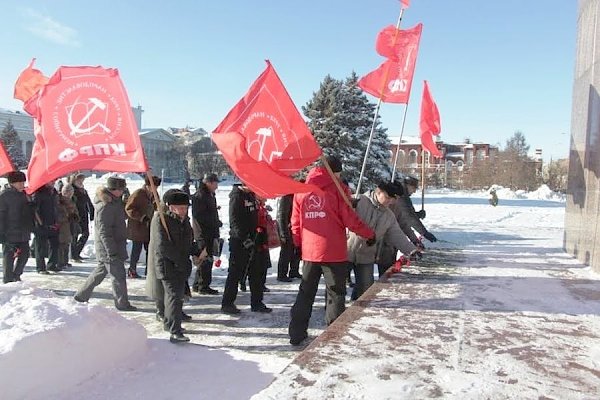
(54, 348)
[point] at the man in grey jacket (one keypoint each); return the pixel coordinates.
(110, 237)
(372, 208)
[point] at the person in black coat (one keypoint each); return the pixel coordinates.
(46, 229)
(244, 242)
(206, 224)
(16, 225)
(289, 260)
(85, 209)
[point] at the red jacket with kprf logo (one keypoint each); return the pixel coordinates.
(319, 221)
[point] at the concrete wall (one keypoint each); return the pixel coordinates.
(582, 227)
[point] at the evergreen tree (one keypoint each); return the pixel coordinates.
(340, 118)
(12, 144)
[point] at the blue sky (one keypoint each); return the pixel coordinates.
(494, 67)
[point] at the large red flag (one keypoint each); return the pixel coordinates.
(264, 139)
(430, 122)
(392, 81)
(5, 162)
(83, 121)
(29, 82)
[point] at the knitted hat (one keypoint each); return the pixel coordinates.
(115, 183)
(15, 176)
(175, 197)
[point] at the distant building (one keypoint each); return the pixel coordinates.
(162, 155)
(23, 124)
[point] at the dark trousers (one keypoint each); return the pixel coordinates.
(289, 262)
(174, 291)
(12, 251)
(63, 254)
(203, 277)
(363, 275)
(116, 269)
(335, 282)
(387, 257)
(241, 262)
(46, 245)
(136, 250)
(81, 239)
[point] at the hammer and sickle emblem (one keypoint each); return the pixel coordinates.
(76, 128)
(315, 202)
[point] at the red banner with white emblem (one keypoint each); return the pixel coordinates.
(392, 81)
(264, 139)
(83, 122)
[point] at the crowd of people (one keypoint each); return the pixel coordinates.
(330, 231)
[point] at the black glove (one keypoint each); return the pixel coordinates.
(2, 239)
(421, 214)
(415, 255)
(429, 236)
(419, 244)
(248, 243)
(371, 241)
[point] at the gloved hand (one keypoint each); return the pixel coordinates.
(402, 261)
(429, 236)
(2, 239)
(415, 255)
(248, 243)
(421, 214)
(371, 241)
(419, 244)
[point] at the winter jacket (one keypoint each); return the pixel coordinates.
(110, 232)
(205, 217)
(16, 215)
(243, 214)
(67, 213)
(319, 221)
(383, 221)
(85, 208)
(405, 213)
(139, 209)
(171, 258)
(284, 217)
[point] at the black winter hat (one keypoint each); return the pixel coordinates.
(115, 183)
(210, 178)
(411, 180)
(15, 176)
(389, 187)
(334, 163)
(176, 197)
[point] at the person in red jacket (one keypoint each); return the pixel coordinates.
(319, 222)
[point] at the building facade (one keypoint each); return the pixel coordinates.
(582, 220)
(23, 124)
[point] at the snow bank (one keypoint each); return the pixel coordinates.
(49, 344)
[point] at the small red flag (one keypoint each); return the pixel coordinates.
(392, 81)
(83, 121)
(264, 139)
(5, 162)
(405, 3)
(29, 82)
(430, 122)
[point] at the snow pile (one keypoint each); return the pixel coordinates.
(49, 344)
(545, 193)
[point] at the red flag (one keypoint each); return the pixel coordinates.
(405, 3)
(430, 122)
(392, 81)
(5, 162)
(29, 82)
(83, 121)
(264, 139)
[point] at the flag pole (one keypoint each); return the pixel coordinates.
(157, 200)
(423, 177)
(399, 141)
(335, 179)
(364, 164)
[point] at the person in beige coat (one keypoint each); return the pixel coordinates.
(372, 208)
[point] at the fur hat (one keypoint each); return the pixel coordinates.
(334, 163)
(174, 197)
(390, 188)
(210, 178)
(411, 180)
(115, 183)
(15, 176)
